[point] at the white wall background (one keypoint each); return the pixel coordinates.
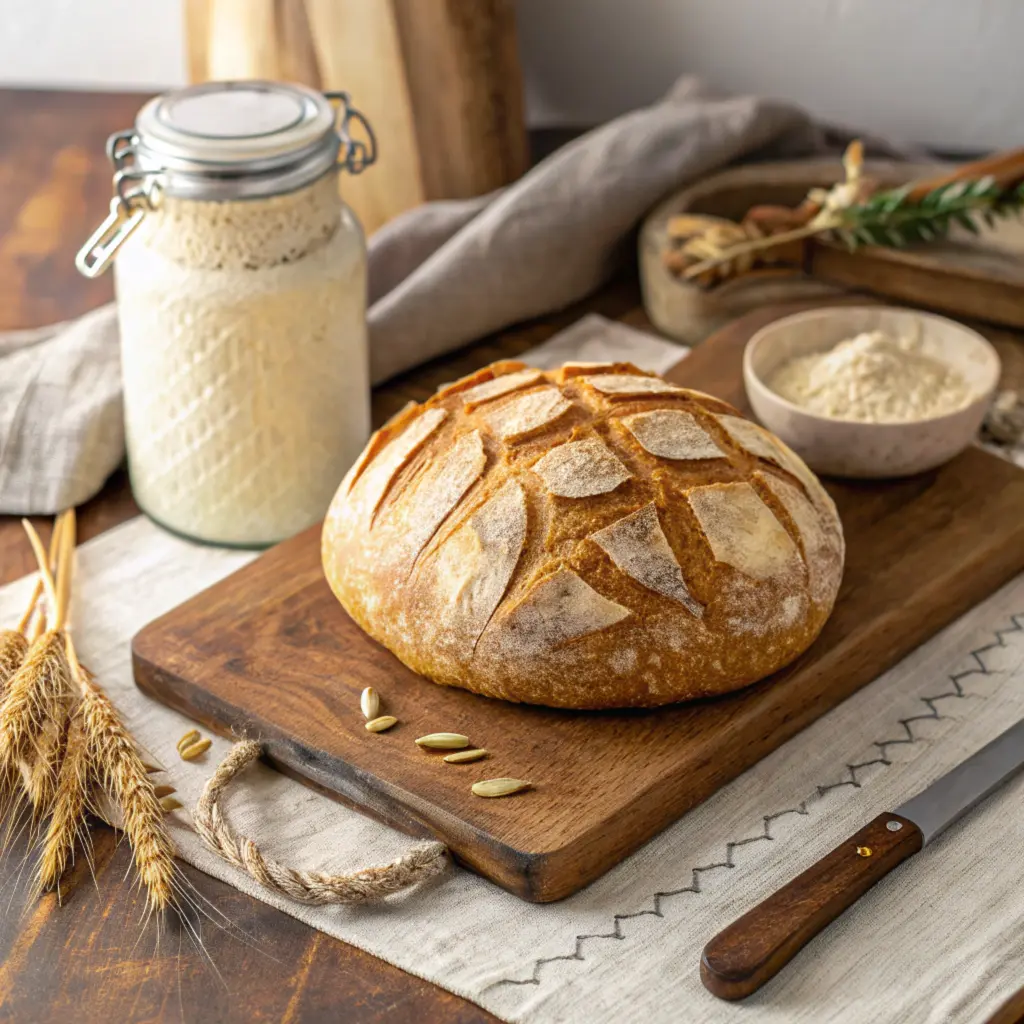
(944, 72)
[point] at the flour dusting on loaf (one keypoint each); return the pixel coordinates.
(672, 434)
(627, 384)
(498, 386)
(526, 413)
(580, 469)
(638, 546)
(475, 564)
(742, 531)
(373, 484)
(556, 610)
(586, 537)
(750, 436)
(822, 555)
(414, 519)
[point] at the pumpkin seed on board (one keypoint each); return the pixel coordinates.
(369, 704)
(443, 741)
(465, 756)
(194, 750)
(499, 787)
(192, 736)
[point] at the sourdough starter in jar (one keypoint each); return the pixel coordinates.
(243, 346)
(241, 302)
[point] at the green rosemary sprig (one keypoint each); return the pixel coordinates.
(889, 218)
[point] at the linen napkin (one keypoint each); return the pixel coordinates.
(441, 275)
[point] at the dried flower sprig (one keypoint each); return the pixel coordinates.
(892, 218)
(856, 215)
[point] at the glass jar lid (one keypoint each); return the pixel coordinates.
(225, 141)
(237, 140)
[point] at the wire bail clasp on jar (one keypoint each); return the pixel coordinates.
(355, 155)
(136, 192)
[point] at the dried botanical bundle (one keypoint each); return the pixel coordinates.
(855, 212)
(63, 744)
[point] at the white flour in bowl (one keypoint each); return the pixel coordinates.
(872, 378)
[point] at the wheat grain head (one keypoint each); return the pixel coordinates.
(13, 647)
(40, 776)
(115, 760)
(37, 693)
(67, 822)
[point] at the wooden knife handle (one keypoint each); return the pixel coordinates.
(754, 948)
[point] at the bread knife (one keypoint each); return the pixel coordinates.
(755, 947)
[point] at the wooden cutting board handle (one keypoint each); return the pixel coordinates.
(754, 948)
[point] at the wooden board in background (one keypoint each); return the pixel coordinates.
(440, 83)
(979, 277)
(270, 651)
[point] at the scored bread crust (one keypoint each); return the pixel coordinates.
(589, 537)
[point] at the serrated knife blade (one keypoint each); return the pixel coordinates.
(754, 948)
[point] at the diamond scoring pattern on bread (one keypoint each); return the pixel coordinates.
(545, 539)
(414, 517)
(638, 546)
(474, 565)
(743, 531)
(672, 434)
(525, 414)
(559, 608)
(580, 469)
(498, 386)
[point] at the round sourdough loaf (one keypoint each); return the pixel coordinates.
(591, 537)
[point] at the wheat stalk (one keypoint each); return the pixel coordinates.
(65, 734)
(40, 775)
(115, 760)
(69, 806)
(13, 647)
(37, 692)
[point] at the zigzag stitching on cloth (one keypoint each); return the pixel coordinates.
(957, 692)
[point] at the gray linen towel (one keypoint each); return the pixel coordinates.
(441, 275)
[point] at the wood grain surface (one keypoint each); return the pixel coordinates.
(90, 960)
(439, 80)
(270, 652)
(755, 947)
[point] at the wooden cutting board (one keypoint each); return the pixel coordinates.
(269, 652)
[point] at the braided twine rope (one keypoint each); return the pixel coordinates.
(421, 862)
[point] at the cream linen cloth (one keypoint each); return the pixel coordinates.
(940, 940)
(441, 275)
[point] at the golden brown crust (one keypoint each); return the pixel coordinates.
(542, 537)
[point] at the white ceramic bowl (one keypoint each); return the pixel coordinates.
(853, 449)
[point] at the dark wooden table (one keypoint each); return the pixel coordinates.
(91, 959)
